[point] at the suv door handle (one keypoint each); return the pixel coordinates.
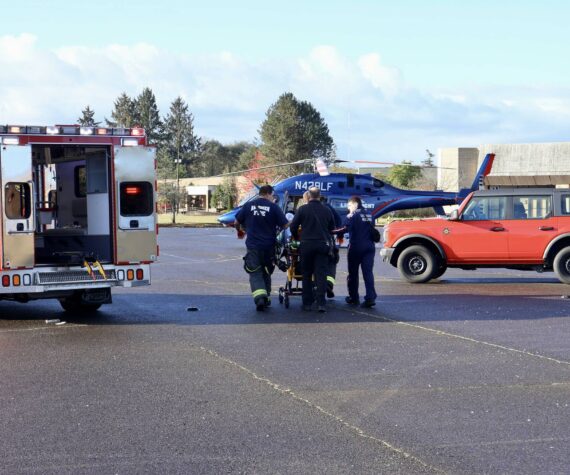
(546, 228)
(497, 229)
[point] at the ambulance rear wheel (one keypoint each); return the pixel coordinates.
(417, 264)
(72, 304)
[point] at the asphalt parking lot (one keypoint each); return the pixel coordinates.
(468, 374)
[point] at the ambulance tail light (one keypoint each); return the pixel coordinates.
(16, 280)
(140, 274)
(11, 140)
(130, 274)
(5, 281)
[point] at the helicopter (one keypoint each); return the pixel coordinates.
(378, 197)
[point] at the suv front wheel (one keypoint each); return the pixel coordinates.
(417, 264)
(561, 265)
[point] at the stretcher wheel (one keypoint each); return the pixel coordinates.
(281, 291)
(286, 299)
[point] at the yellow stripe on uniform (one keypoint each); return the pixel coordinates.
(259, 293)
(330, 279)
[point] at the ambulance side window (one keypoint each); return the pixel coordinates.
(17, 199)
(136, 198)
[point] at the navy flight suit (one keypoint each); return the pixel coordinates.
(261, 219)
(361, 252)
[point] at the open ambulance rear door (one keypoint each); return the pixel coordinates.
(17, 206)
(135, 210)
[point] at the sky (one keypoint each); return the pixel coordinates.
(391, 79)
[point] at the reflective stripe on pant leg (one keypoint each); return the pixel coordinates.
(259, 293)
(331, 279)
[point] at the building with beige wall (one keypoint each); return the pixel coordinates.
(540, 164)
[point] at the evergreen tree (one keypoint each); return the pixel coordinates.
(124, 113)
(179, 140)
(293, 131)
(428, 161)
(225, 194)
(87, 118)
(216, 158)
(179, 145)
(146, 115)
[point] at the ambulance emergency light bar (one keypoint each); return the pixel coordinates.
(70, 130)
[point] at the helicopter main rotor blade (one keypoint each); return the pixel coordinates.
(239, 172)
(393, 163)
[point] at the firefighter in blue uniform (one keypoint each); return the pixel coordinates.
(262, 219)
(361, 252)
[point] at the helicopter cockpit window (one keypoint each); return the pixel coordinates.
(378, 183)
(338, 204)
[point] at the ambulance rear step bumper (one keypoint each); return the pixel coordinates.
(74, 276)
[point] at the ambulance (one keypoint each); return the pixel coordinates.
(78, 213)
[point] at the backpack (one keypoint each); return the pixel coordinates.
(374, 233)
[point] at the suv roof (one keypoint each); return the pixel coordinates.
(520, 191)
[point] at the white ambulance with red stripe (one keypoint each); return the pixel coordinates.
(78, 213)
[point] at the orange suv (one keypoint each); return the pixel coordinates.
(520, 228)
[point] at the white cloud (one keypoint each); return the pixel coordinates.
(387, 79)
(371, 111)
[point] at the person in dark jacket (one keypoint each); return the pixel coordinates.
(262, 218)
(316, 222)
(361, 252)
(331, 267)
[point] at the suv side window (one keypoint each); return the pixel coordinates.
(532, 207)
(565, 202)
(481, 208)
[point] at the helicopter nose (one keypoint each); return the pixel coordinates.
(227, 218)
